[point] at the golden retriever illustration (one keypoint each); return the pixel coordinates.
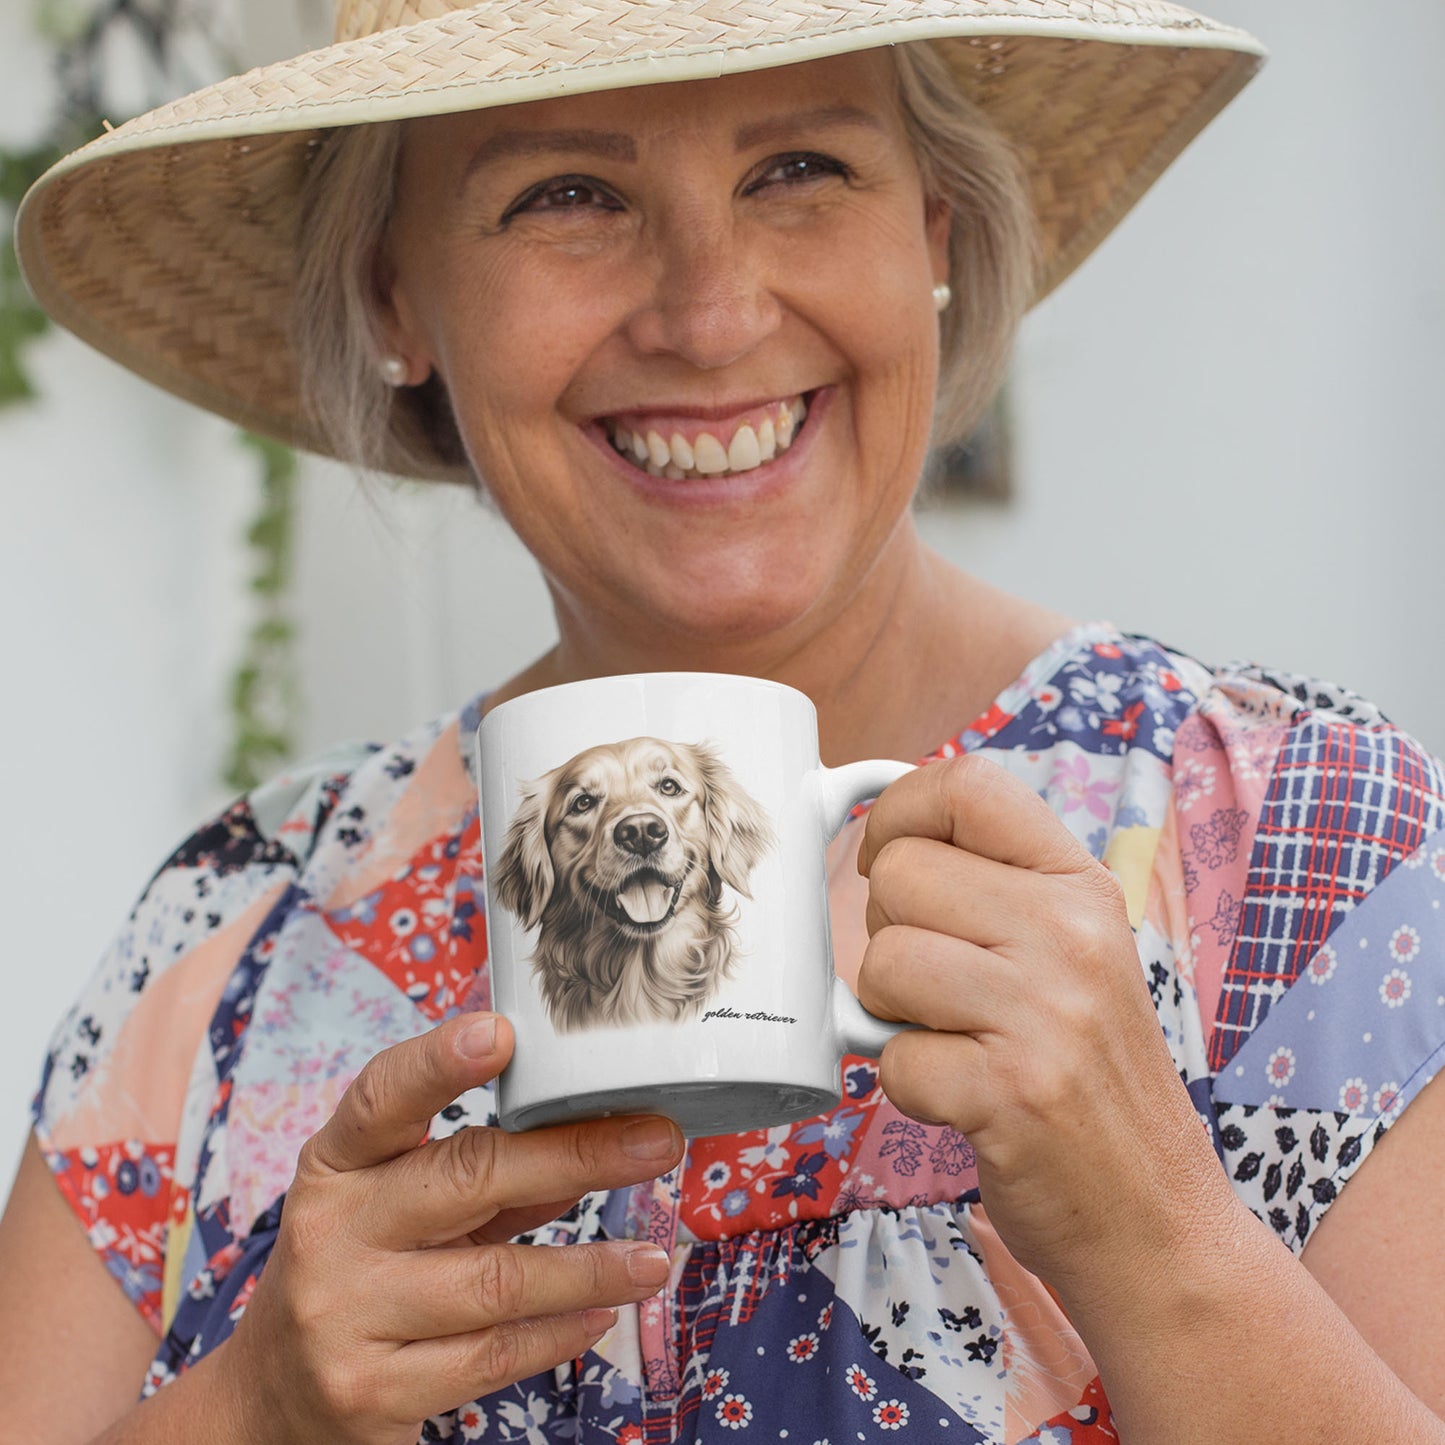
(620, 856)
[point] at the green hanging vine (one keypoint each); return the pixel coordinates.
(264, 696)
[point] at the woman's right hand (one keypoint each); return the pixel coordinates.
(391, 1294)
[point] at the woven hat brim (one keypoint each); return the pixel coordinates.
(168, 243)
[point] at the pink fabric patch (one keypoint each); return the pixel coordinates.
(140, 1088)
(1223, 760)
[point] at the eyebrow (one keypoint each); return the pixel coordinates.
(778, 127)
(611, 145)
(617, 146)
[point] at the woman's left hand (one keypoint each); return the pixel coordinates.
(992, 927)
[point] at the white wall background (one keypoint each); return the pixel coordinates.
(1230, 434)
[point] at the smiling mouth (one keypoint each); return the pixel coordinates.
(644, 903)
(697, 450)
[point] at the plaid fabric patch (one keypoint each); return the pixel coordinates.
(722, 1285)
(1345, 805)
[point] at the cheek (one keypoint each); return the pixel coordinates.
(570, 844)
(510, 376)
(691, 825)
(872, 296)
(523, 330)
(871, 257)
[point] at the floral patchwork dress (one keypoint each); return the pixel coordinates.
(1282, 850)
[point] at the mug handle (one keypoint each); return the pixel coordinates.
(857, 1031)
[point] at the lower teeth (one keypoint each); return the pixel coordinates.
(678, 474)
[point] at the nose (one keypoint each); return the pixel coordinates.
(709, 303)
(640, 833)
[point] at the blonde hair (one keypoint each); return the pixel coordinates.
(346, 205)
(347, 200)
(968, 165)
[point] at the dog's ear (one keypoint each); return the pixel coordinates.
(739, 832)
(524, 871)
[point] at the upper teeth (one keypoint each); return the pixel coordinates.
(706, 456)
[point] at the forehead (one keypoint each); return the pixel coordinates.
(614, 764)
(865, 81)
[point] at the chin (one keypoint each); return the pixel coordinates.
(718, 617)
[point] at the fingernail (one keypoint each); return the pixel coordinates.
(598, 1321)
(478, 1040)
(648, 1265)
(650, 1139)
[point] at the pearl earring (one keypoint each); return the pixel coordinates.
(942, 295)
(393, 370)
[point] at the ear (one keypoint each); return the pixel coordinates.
(398, 327)
(524, 871)
(938, 228)
(739, 832)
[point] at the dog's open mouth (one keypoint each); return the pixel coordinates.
(644, 902)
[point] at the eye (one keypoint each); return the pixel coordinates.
(564, 193)
(799, 167)
(669, 787)
(582, 803)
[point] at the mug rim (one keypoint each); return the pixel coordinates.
(646, 677)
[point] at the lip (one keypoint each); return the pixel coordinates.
(731, 489)
(664, 418)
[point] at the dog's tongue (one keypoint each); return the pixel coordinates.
(646, 902)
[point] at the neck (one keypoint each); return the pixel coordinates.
(915, 653)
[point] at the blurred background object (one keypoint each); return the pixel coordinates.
(1225, 430)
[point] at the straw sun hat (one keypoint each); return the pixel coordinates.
(168, 242)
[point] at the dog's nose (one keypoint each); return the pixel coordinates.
(640, 833)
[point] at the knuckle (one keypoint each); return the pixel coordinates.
(305, 1224)
(1109, 891)
(470, 1161)
(1046, 1088)
(1076, 1016)
(368, 1090)
(968, 775)
(351, 1394)
(299, 1281)
(582, 1153)
(310, 1166)
(602, 1270)
(1090, 925)
(1099, 936)
(893, 867)
(1090, 935)
(882, 951)
(501, 1357)
(908, 1077)
(882, 956)
(501, 1280)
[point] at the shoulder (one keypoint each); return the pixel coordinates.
(142, 1066)
(1310, 837)
(301, 832)
(204, 898)
(1302, 814)
(1281, 844)
(229, 882)
(1098, 690)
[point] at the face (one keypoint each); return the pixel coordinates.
(688, 335)
(632, 831)
(626, 825)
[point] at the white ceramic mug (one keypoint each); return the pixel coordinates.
(657, 901)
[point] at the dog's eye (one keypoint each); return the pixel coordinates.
(669, 787)
(582, 803)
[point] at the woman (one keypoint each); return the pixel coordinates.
(689, 336)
